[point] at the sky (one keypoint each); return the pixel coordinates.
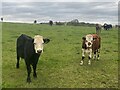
(92, 11)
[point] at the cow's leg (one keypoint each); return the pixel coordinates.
(17, 64)
(98, 56)
(34, 71)
(89, 56)
(94, 56)
(83, 56)
(28, 72)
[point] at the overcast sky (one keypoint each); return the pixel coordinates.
(92, 12)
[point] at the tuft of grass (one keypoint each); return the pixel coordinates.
(58, 66)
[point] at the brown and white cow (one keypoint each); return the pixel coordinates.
(90, 44)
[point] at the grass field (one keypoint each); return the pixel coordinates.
(58, 66)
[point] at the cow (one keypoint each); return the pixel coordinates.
(30, 50)
(90, 44)
(107, 26)
(35, 21)
(98, 29)
(50, 22)
(1, 19)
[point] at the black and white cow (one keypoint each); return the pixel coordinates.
(30, 49)
(107, 26)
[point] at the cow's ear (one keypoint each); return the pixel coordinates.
(83, 38)
(32, 40)
(46, 40)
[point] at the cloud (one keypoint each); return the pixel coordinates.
(60, 1)
(60, 11)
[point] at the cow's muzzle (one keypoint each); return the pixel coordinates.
(39, 51)
(89, 43)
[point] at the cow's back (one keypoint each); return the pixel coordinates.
(21, 41)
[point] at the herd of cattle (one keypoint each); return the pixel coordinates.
(30, 49)
(105, 26)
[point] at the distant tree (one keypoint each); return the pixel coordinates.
(59, 23)
(50, 22)
(35, 21)
(75, 21)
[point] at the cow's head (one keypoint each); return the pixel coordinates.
(88, 39)
(38, 43)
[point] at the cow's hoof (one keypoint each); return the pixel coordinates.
(98, 58)
(94, 58)
(89, 63)
(17, 66)
(28, 80)
(81, 63)
(35, 75)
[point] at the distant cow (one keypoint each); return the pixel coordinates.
(51, 22)
(35, 21)
(107, 26)
(90, 44)
(2, 19)
(98, 29)
(30, 49)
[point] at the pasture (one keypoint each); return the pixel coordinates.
(58, 66)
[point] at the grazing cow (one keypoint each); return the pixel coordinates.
(107, 26)
(35, 21)
(1, 19)
(90, 44)
(51, 22)
(30, 49)
(98, 29)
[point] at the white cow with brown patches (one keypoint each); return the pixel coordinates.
(90, 44)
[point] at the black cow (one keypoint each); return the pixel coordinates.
(107, 26)
(51, 22)
(30, 49)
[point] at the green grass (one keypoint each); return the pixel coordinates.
(58, 66)
(1, 55)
